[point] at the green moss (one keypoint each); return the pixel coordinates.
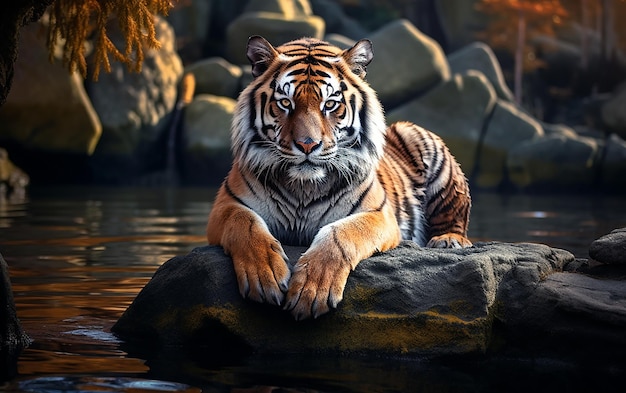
(429, 332)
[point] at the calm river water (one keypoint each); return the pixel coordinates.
(78, 256)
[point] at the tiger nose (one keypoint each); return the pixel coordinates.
(308, 145)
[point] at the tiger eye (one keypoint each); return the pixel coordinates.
(330, 105)
(285, 103)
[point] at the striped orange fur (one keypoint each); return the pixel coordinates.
(314, 164)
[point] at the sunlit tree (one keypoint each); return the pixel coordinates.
(514, 23)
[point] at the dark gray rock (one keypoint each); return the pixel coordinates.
(470, 96)
(409, 300)
(610, 248)
(12, 337)
(406, 63)
(216, 76)
(554, 162)
(480, 57)
(133, 105)
(48, 109)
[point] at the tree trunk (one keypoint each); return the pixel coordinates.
(584, 36)
(14, 15)
(608, 33)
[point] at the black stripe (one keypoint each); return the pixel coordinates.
(249, 186)
(384, 202)
(361, 197)
(232, 194)
(339, 244)
(252, 102)
(406, 154)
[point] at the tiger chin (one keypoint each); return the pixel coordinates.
(315, 165)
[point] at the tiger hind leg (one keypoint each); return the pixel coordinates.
(427, 164)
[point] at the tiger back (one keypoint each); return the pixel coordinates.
(315, 165)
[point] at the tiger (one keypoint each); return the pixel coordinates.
(315, 165)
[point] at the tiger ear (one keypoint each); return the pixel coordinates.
(260, 54)
(359, 56)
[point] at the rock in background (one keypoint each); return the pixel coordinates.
(135, 108)
(48, 117)
(462, 96)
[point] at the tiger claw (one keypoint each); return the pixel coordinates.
(449, 240)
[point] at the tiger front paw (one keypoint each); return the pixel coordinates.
(449, 240)
(262, 271)
(316, 285)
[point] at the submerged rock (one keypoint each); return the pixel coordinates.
(409, 300)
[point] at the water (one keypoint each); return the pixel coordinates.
(78, 256)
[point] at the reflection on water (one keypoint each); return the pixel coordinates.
(77, 258)
(101, 384)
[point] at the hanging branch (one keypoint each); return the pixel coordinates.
(77, 20)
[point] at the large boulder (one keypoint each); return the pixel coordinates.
(191, 21)
(206, 141)
(455, 110)
(216, 76)
(47, 108)
(479, 56)
(277, 28)
(337, 22)
(554, 162)
(290, 9)
(406, 63)
(407, 301)
(134, 107)
(610, 248)
(460, 20)
(508, 126)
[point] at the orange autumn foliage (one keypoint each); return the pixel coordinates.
(76, 21)
(540, 18)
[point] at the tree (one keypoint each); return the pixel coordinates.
(514, 22)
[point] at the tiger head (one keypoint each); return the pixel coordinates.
(308, 118)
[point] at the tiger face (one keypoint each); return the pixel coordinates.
(303, 121)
